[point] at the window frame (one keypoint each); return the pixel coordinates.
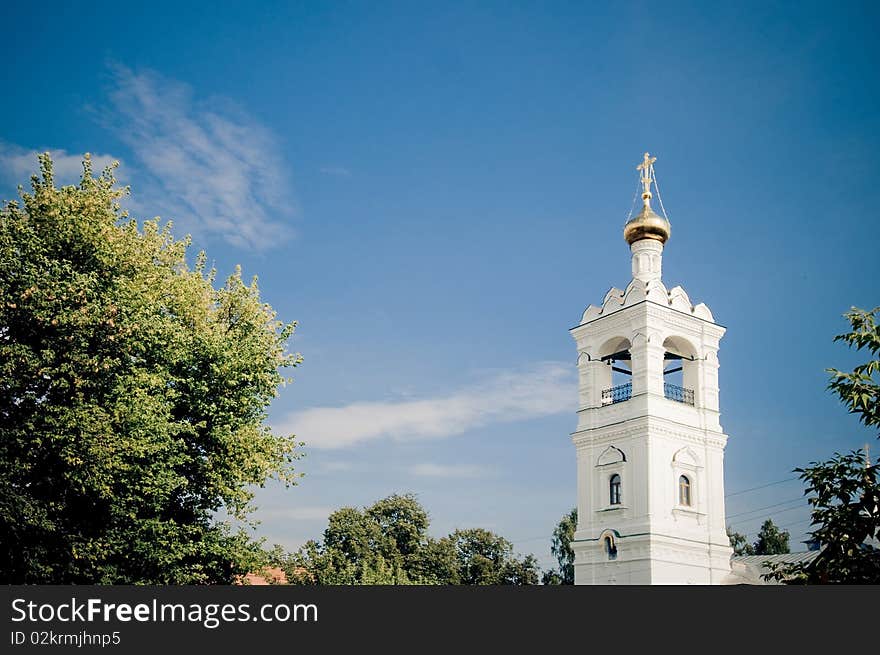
(685, 487)
(611, 461)
(686, 464)
(615, 491)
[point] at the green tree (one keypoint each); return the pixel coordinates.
(403, 524)
(521, 571)
(845, 498)
(560, 546)
(485, 558)
(388, 543)
(381, 544)
(353, 535)
(739, 543)
(859, 389)
(771, 540)
(436, 562)
(551, 577)
(843, 492)
(132, 396)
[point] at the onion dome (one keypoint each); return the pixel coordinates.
(647, 224)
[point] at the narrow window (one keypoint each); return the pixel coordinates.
(614, 489)
(610, 547)
(684, 491)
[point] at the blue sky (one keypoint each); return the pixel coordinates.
(437, 191)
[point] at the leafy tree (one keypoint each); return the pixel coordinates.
(520, 571)
(739, 543)
(378, 571)
(484, 558)
(387, 543)
(436, 562)
(771, 541)
(353, 535)
(132, 396)
(845, 497)
(843, 492)
(560, 546)
(315, 564)
(380, 544)
(859, 389)
(551, 577)
(402, 522)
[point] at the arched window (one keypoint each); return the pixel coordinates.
(610, 547)
(615, 379)
(684, 491)
(614, 490)
(680, 370)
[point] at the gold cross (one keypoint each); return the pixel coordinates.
(646, 168)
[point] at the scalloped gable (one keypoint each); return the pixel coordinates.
(655, 291)
(702, 311)
(686, 456)
(611, 455)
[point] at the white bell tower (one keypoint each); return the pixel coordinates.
(650, 448)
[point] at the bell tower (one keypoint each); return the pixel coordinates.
(650, 447)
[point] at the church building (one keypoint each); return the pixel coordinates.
(649, 441)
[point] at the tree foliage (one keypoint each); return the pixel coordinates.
(561, 549)
(484, 558)
(843, 492)
(859, 389)
(132, 396)
(771, 540)
(739, 543)
(845, 498)
(388, 543)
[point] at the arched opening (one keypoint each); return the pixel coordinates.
(684, 491)
(610, 547)
(679, 370)
(614, 490)
(617, 385)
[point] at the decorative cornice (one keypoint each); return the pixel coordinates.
(638, 291)
(654, 426)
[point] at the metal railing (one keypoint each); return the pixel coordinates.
(617, 394)
(678, 394)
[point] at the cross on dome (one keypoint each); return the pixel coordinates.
(647, 224)
(647, 168)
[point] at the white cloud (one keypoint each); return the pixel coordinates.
(210, 165)
(18, 164)
(429, 470)
(543, 390)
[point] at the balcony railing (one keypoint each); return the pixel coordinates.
(617, 394)
(678, 394)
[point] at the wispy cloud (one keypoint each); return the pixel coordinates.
(338, 171)
(18, 164)
(210, 166)
(545, 389)
(203, 163)
(429, 470)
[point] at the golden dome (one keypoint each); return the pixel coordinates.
(647, 225)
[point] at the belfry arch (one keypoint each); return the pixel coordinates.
(680, 370)
(615, 377)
